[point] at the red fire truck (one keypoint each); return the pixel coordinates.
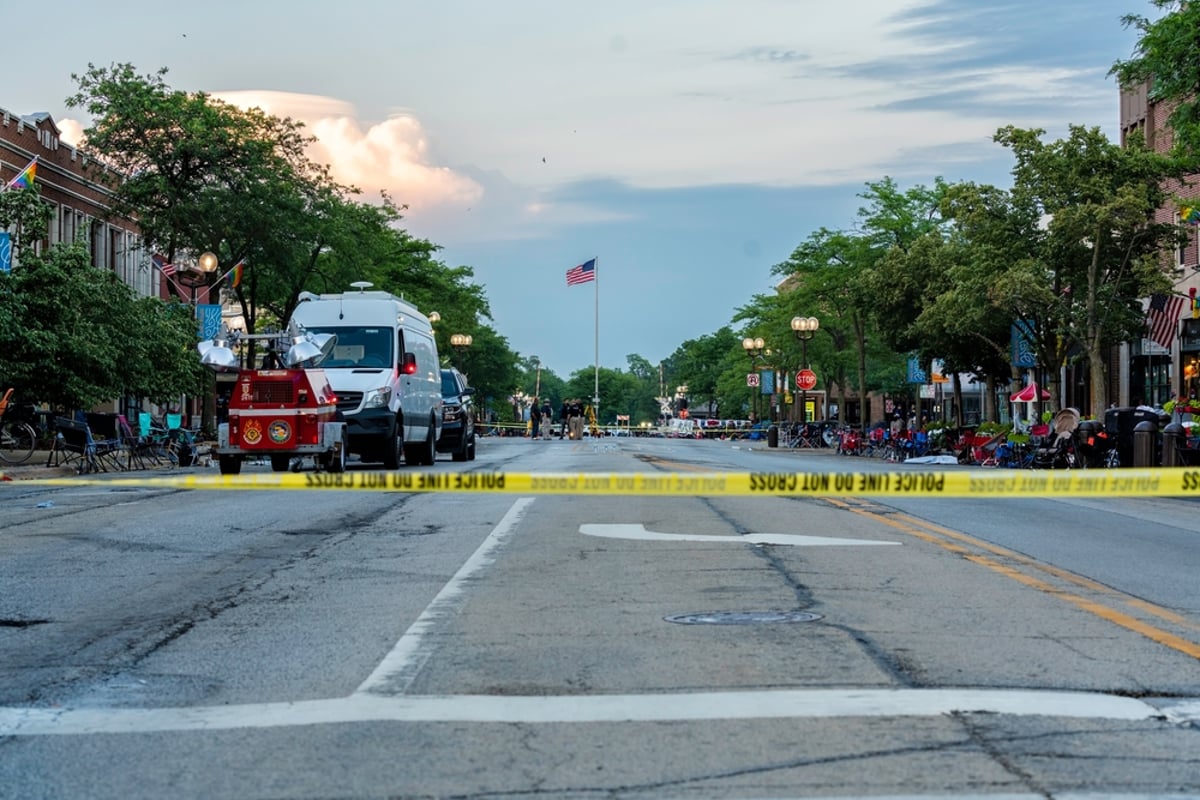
(279, 413)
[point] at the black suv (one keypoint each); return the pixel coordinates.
(458, 417)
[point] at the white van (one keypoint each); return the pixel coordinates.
(384, 370)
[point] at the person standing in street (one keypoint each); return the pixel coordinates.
(575, 419)
(535, 419)
(547, 420)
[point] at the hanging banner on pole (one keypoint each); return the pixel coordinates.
(5, 251)
(209, 315)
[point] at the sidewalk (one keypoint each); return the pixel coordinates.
(35, 468)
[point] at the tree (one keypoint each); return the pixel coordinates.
(197, 173)
(699, 364)
(200, 174)
(1099, 253)
(970, 318)
(1167, 56)
(79, 336)
(852, 281)
(826, 274)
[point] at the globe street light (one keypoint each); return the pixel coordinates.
(461, 342)
(805, 329)
(754, 349)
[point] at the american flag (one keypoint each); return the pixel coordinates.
(1162, 318)
(583, 273)
(163, 266)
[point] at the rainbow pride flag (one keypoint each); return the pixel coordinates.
(1190, 214)
(25, 177)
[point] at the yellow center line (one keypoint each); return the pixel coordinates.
(933, 533)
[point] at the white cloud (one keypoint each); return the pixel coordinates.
(392, 155)
(70, 131)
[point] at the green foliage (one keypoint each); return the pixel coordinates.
(200, 175)
(989, 428)
(76, 336)
(704, 366)
(1168, 55)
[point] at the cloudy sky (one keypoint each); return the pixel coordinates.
(689, 145)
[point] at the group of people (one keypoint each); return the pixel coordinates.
(541, 417)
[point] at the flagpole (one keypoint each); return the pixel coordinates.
(596, 388)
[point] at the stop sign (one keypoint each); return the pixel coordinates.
(806, 379)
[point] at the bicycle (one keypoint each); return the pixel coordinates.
(17, 438)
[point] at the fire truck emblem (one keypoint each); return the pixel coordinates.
(279, 431)
(252, 432)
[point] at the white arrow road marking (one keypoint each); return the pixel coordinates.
(638, 531)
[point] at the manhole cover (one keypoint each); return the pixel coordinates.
(741, 617)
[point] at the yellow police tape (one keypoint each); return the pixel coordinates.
(1153, 482)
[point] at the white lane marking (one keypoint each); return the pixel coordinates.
(408, 654)
(400, 666)
(592, 708)
(638, 531)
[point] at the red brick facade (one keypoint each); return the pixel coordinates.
(1155, 376)
(78, 196)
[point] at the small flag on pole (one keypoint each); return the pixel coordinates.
(163, 266)
(1162, 318)
(25, 177)
(583, 273)
(235, 275)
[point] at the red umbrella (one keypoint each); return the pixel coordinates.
(1029, 394)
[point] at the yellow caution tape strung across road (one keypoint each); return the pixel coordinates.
(1175, 482)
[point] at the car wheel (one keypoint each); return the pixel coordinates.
(429, 452)
(394, 449)
(471, 448)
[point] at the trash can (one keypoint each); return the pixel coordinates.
(1119, 424)
(773, 436)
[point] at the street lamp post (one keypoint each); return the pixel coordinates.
(198, 274)
(461, 342)
(805, 329)
(754, 349)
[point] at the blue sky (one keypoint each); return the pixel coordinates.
(690, 145)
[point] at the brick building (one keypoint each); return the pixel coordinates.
(80, 202)
(1151, 373)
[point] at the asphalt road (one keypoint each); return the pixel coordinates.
(162, 642)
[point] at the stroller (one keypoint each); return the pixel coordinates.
(1058, 450)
